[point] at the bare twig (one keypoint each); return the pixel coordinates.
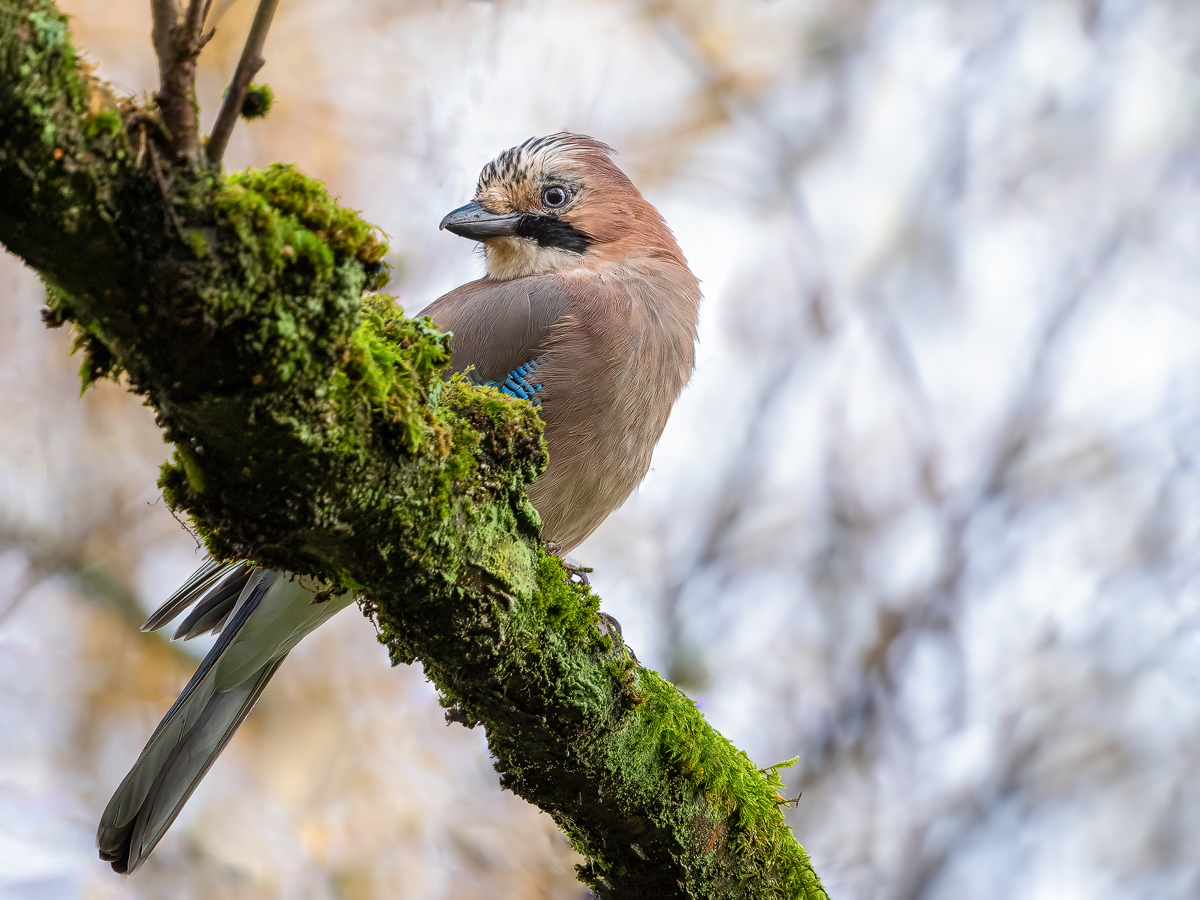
(178, 39)
(24, 588)
(247, 68)
(47, 556)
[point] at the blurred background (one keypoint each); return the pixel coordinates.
(927, 517)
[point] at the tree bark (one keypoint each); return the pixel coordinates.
(313, 432)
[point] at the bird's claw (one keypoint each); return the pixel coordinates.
(610, 627)
(578, 574)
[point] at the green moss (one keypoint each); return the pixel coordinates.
(106, 121)
(675, 731)
(392, 364)
(267, 232)
(259, 100)
(570, 608)
(279, 201)
(186, 459)
(98, 361)
(198, 244)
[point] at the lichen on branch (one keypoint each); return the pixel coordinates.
(314, 431)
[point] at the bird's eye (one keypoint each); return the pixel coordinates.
(554, 196)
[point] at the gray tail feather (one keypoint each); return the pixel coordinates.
(212, 610)
(205, 577)
(185, 744)
(128, 846)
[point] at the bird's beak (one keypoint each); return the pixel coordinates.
(475, 222)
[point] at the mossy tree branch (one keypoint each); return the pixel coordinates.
(313, 432)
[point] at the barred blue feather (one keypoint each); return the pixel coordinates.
(519, 384)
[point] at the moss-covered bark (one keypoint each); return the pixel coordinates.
(313, 432)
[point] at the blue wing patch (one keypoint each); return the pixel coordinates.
(519, 383)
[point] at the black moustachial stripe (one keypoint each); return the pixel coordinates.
(551, 232)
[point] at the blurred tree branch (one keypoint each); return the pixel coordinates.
(47, 556)
(313, 432)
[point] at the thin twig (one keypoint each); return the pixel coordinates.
(30, 580)
(247, 68)
(156, 170)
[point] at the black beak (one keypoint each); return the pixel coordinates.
(475, 222)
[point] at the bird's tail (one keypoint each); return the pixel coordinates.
(261, 614)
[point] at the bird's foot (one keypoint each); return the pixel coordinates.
(611, 628)
(576, 574)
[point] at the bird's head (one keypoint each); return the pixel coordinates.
(557, 203)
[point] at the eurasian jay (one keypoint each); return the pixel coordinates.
(588, 310)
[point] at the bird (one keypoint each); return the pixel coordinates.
(587, 309)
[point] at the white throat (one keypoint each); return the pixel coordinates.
(515, 257)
